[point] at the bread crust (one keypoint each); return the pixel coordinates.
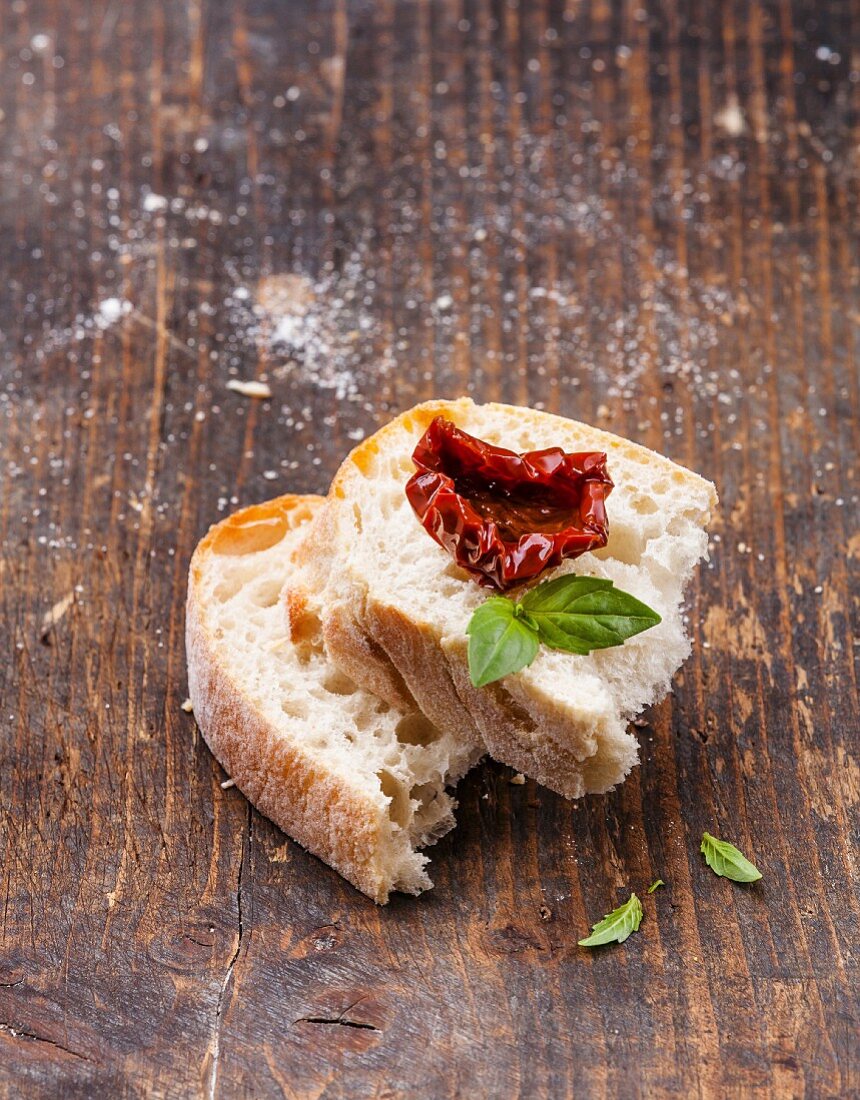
(278, 775)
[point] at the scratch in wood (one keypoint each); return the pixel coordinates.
(335, 71)
(162, 330)
(109, 22)
(32, 1036)
(215, 1042)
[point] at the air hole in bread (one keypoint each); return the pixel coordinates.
(305, 625)
(415, 729)
(304, 652)
(339, 684)
(227, 589)
(660, 486)
(399, 809)
(249, 538)
(266, 594)
(405, 465)
(388, 503)
(424, 793)
(294, 708)
(644, 506)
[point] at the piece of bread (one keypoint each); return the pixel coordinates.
(395, 606)
(357, 781)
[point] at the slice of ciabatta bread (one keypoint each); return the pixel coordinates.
(357, 781)
(395, 606)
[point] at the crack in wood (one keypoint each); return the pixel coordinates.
(200, 943)
(215, 1042)
(339, 1021)
(32, 1036)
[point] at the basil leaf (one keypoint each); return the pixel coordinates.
(725, 860)
(617, 925)
(501, 641)
(654, 885)
(579, 614)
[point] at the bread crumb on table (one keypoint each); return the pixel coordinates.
(188, 706)
(249, 389)
(518, 780)
(227, 784)
(54, 614)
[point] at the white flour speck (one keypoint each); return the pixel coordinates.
(731, 117)
(110, 311)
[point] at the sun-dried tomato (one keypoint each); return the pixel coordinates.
(503, 516)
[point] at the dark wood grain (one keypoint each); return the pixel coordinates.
(643, 215)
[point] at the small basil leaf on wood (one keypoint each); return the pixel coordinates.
(617, 925)
(654, 885)
(579, 614)
(724, 859)
(501, 641)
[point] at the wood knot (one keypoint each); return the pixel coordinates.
(328, 937)
(185, 950)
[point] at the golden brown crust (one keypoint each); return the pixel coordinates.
(282, 779)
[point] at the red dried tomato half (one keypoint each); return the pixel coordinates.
(503, 516)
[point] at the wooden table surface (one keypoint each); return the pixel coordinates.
(642, 214)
